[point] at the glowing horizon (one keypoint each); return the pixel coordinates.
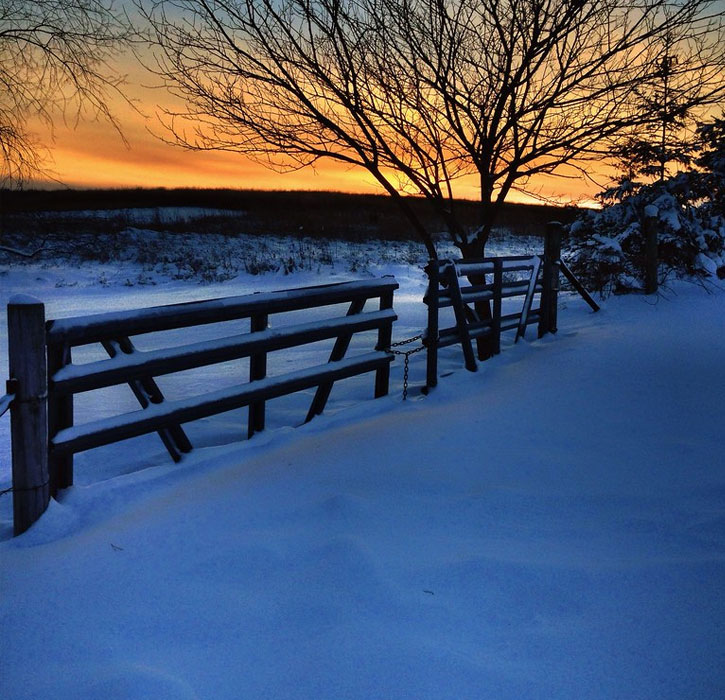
(92, 154)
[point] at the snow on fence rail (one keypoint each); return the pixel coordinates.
(44, 438)
(477, 306)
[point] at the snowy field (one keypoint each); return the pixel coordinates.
(552, 526)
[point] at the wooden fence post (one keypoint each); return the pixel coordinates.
(60, 416)
(257, 370)
(29, 411)
(497, 291)
(385, 337)
(650, 246)
(550, 279)
(431, 337)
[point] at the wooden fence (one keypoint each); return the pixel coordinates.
(467, 286)
(44, 437)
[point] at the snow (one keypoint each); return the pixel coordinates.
(24, 300)
(609, 245)
(552, 526)
(705, 262)
(239, 345)
(151, 318)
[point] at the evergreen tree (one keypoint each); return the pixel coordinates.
(665, 142)
(608, 245)
(711, 161)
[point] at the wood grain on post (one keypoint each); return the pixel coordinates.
(257, 370)
(431, 339)
(385, 337)
(60, 416)
(497, 292)
(550, 279)
(29, 412)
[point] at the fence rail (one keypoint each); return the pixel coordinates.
(44, 379)
(88, 329)
(477, 305)
(44, 437)
(9, 396)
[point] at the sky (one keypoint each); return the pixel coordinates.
(94, 155)
(91, 153)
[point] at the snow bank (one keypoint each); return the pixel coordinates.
(552, 526)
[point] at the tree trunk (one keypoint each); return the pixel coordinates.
(481, 309)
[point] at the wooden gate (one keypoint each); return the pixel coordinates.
(486, 282)
(44, 437)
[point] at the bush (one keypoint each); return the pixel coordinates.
(607, 246)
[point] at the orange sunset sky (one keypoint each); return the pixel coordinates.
(91, 154)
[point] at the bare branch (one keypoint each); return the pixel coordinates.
(423, 92)
(54, 59)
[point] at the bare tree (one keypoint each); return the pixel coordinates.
(423, 92)
(54, 62)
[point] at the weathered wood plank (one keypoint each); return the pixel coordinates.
(451, 337)
(147, 392)
(578, 285)
(430, 339)
(60, 416)
(550, 279)
(319, 401)
(7, 399)
(533, 281)
(485, 266)
(95, 375)
(97, 327)
(29, 410)
(385, 337)
(102, 432)
(496, 313)
(257, 372)
(461, 320)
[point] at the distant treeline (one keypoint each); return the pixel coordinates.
(332, 214)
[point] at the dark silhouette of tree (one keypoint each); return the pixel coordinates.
(652, 150)
(423, 92)
(607, 246)
(54, 63)
(710, 160)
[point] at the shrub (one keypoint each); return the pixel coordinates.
(607, 246)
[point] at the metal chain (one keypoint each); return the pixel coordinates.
(406, 354)
(405, 342)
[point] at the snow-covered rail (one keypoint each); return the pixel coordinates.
(476, 302)
(44, 437)
(485, 290)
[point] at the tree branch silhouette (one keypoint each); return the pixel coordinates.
(55, 62)
(423, 92)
